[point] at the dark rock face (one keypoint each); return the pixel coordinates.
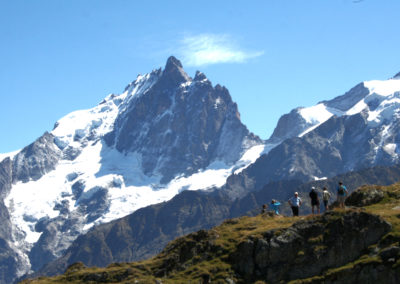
(9, 262)
(308, 247)
(96, 204)
(364, 197)
(36, 159)
(5, 176)
(181, 125)
(5, 186)
(289, 125)
(339, 145)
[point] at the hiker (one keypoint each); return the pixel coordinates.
(314, 199)
(341, 194)
(275, 206)
(326, 195)
(295, 203)
(264, 209)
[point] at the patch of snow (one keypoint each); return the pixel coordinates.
(186, 84)
(357, 108)
(320, 178)
(217, 102)
(315, 114)
(383, 87)
(390, 148)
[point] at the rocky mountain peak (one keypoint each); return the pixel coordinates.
(172, 62)
(397, 76)
(180, 126)
(199, 76)
(173, 73)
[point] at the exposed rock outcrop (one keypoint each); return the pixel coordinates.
(309, 247)
(40, 157)
(364, 196)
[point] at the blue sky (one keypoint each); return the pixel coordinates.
(58, 56)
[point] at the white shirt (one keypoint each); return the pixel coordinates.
(295, 201)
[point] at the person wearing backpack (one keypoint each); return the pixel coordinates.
(341, 194)
(314, 200)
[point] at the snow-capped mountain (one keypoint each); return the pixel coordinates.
(164, 134)
(357, 130)
(167, 133)
(378, 99)
(347, 133)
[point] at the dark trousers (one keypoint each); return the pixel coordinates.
(295, 210)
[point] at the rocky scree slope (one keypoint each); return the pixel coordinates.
(340, 246)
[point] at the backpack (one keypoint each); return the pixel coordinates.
(341, 190)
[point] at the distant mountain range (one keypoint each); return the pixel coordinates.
(170, 135)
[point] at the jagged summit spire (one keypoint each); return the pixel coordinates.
(199, 76)
(173, 72)
(173, 62)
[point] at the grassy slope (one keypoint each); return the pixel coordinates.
(178, 264)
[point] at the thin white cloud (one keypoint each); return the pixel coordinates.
(205, 49)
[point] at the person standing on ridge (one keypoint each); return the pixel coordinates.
(275, 206)
(326, 195)
(341, 194)
(314, 200)
(295, 203)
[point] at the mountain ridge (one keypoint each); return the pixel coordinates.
(268, 248)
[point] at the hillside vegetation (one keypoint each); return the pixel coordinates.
(356, 245)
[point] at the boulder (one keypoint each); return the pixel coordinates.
(364, 196)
